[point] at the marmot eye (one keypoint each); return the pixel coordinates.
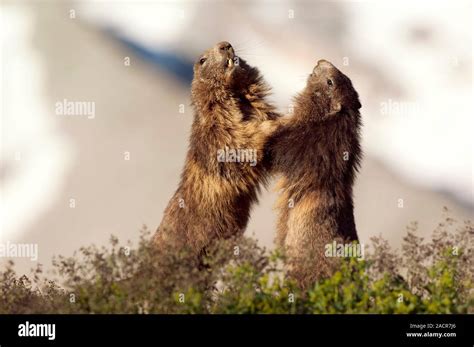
(329, 82)
(202, 61)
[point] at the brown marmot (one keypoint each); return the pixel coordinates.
(318, 153)
(224, 166)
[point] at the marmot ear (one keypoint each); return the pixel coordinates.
(336, 107)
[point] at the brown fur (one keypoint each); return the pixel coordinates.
(308, 150)
(230, 111)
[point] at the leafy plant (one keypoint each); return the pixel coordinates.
(238, 276)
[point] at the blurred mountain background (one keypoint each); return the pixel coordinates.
(69, 181)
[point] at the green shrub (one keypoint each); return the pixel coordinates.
(238, 276)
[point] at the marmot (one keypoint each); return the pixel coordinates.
(318, 153)
(224, 166)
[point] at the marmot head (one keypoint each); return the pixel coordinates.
(219, 72)
(216, 65)
(331, 89)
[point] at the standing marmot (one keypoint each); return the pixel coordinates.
(223, 169)
(318, 153)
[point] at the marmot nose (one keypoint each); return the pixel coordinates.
(224, 46)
